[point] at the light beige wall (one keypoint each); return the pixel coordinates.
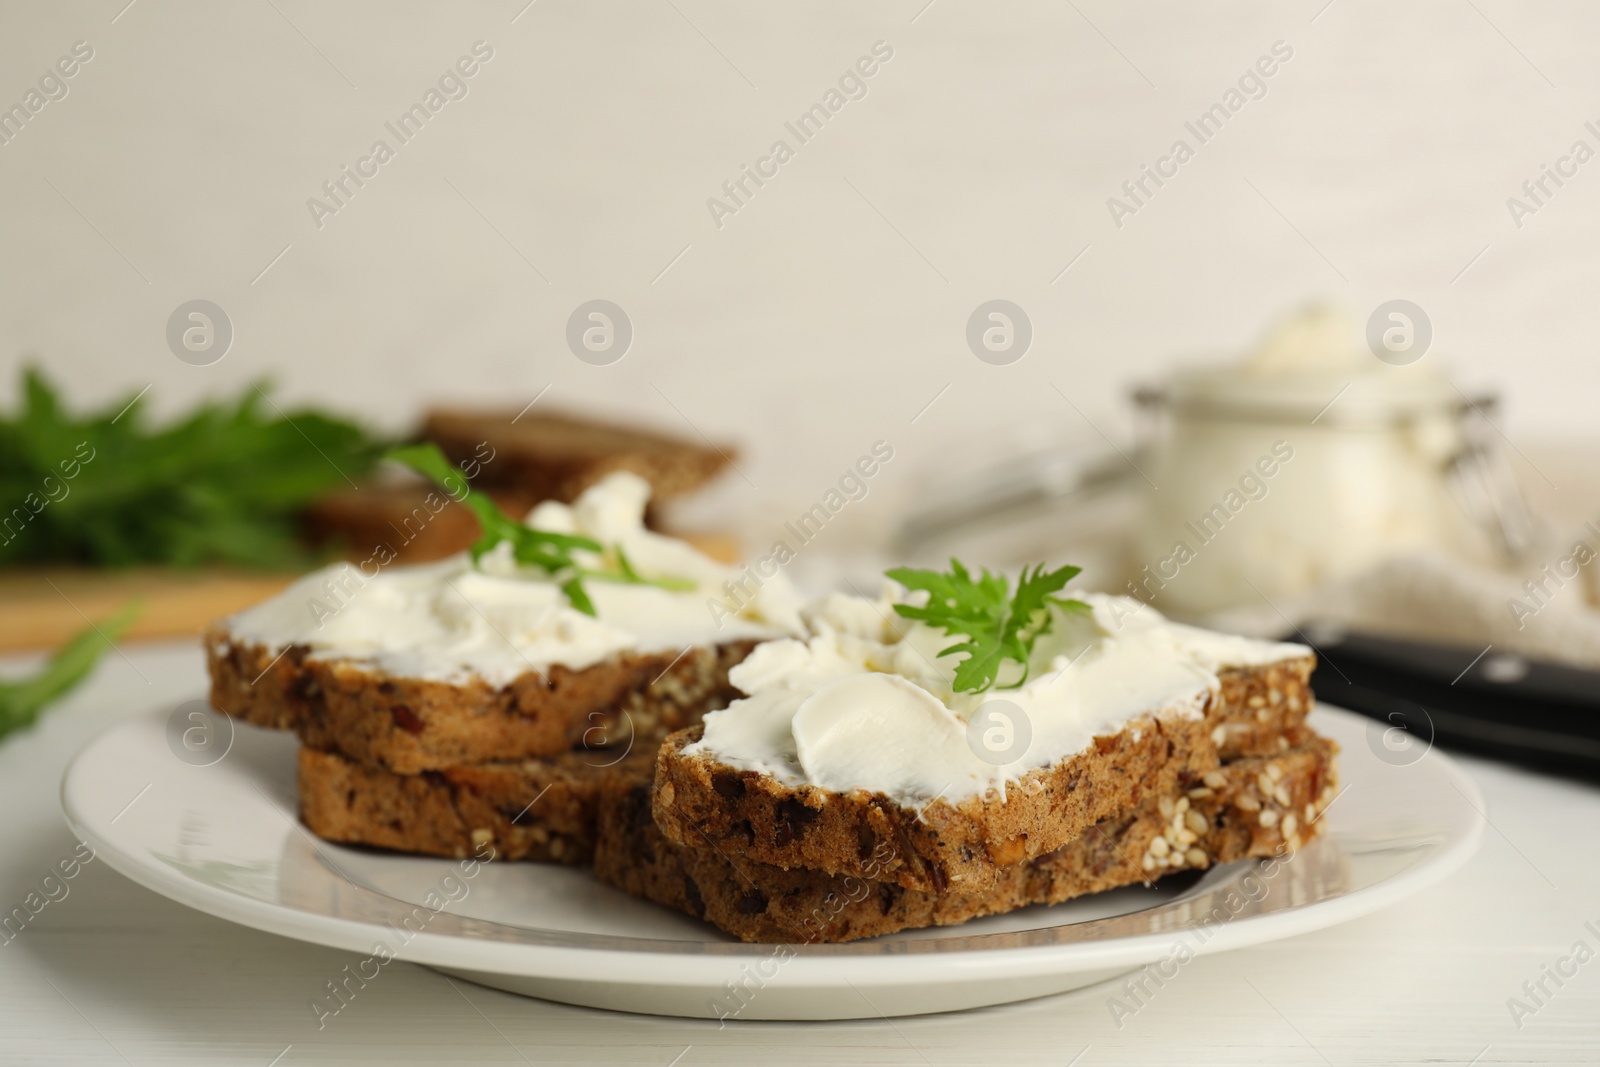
(832, 307)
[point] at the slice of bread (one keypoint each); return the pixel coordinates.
(1256, 806)
(702, 802)
(554, 456)
(409, 725)
(536, 809)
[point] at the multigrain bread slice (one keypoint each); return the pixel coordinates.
(410, 725)
(1257, 806)
(702, 802)
(536, 809)
(554, 456)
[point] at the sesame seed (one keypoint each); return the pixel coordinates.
(1289, 824)
(1216, 779)
(1195, 857)
(1269, 818)
(1183, 804)
(1165, 807)
(1197, 822)
(1159, 847)
(1248, 802)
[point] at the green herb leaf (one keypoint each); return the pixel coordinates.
(577, 595)
(223, 484)
(550, 552)
(997, 625)
(541, 548)
(22, 701)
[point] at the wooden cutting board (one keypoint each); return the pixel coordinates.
(42, 607)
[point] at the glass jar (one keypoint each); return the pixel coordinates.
(1263, 486)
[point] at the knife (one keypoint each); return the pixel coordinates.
(1492, 703)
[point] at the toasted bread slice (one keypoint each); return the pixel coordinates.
(535, 809)
(703, 803)
(1257, 806)
(553, 456)
(410, 725)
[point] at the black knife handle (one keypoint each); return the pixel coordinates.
(1480, 700)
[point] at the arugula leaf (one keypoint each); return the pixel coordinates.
(542, 548)
(577, 595)
(221, 484)
(548, 551)
(997, 624)
(22, 701)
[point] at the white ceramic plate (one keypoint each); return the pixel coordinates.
(222, 838)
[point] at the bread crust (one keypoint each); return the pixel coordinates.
(1219, 819)
(703, 803)
(410, 725)
(537, 809)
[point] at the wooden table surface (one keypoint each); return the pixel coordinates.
(114, 974)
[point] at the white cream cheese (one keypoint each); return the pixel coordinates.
(453, 621)
(864, 701)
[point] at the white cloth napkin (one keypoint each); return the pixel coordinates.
(1543, 611)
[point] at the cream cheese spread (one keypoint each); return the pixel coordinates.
(454, 620)
(864, 701)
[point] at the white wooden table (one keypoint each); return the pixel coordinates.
(112, 973)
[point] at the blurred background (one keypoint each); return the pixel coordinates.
(827, 312)
(790, 309)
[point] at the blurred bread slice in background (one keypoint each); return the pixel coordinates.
(556, 456)
(519, 460)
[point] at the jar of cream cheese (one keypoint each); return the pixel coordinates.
(1307, 462)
